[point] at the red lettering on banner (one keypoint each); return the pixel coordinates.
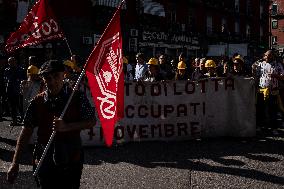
(158, 113)
(182, 128)
(181, 109)
(140, 114)
(155, 89)
(155, 111)
(194, 107)
(126, 86)
(130, 131)
(168, 109)
(169, 130)
(216, 82)
(143, 131)
(229, 82)
(127, 111)
(203, 81)
(187, 89)
(140, 86)
(195, 129)
(175, 90)
(165, 89)
(155, 127)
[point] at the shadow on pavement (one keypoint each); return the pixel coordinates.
(8, 141)
(23, 180)
(26, 159)
(189, 154)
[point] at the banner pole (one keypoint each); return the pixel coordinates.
(70, 51)
(61, 116)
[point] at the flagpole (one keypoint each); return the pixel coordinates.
(69, 100)
(70, 51)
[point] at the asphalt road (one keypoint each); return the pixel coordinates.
(208, 163)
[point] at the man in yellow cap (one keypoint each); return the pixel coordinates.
(153, 73)
(181, 71)
(31, 86)
(210, 65)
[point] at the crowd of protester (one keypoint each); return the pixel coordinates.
(267, 71)
(20, 83)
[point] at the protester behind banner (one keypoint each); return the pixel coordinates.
(165, 68)
(127, 70)
(153, 74)
(199, 71)
(140, 68)
(210, 65)
(181, 73)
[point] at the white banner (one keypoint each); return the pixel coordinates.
(182, 110)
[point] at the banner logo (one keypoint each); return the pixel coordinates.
(107, 71)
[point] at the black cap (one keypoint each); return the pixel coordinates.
(51, 66)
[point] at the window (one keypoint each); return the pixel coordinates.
(274, 24)
(249, 6)
(237, 27)
(261, 32)
(261, 11)
(274, 9)
(173, 16)
(209, 24)
(237, 5)
(224, 25)
(248, 30)
(274, 40)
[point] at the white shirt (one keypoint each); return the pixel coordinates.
(140, 71)
(265, 70)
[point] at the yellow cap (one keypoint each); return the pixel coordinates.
(181, 65)
(125, 61)
(32, 70)
(69, 63)
(239, 58)
(210, 64)
(153, 61)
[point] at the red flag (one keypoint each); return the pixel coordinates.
(105, 76)
(38, 26)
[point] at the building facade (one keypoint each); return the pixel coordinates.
(277, 25)
(196, 27)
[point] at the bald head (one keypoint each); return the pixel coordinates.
(268, 56)
(12, 61)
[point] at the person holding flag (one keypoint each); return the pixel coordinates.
(63, 164)
(69, 112)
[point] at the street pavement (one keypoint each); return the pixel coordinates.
(205, 163)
